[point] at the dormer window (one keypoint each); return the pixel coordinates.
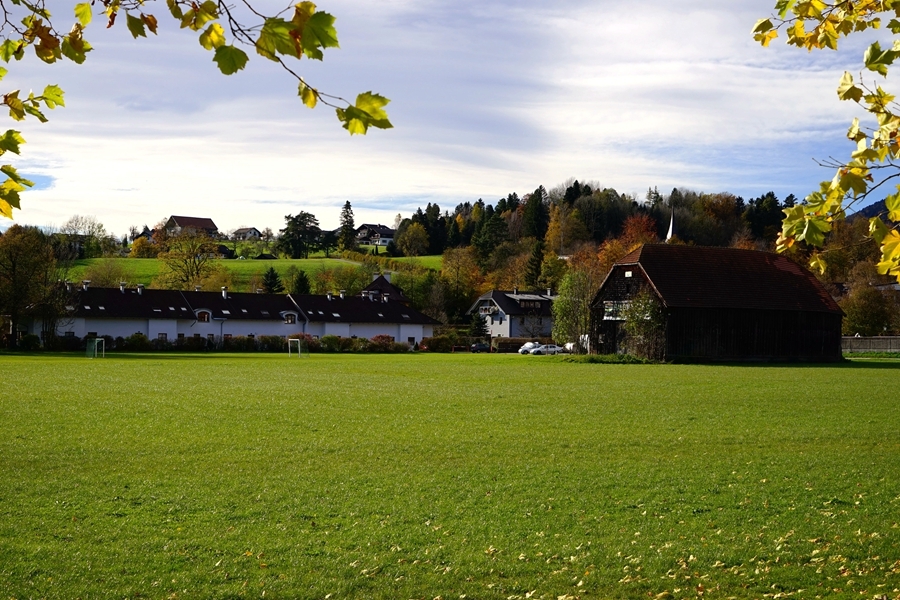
(203, 316)
(290, 319)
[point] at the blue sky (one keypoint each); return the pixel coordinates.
(487, 99)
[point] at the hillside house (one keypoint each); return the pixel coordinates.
(247, 234)
(377, 235)
(721, 304)
(175, 225)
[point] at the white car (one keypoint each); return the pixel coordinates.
(547, 349)
(527, 347)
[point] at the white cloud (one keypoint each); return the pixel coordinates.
(487, 98)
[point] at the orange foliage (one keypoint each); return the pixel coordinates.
(638, 230)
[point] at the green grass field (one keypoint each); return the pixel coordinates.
(459, 476)
(144, 270)
(429, 262)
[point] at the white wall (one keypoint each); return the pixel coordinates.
(338, 329)
(111, 327)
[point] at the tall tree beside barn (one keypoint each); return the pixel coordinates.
(347, 235)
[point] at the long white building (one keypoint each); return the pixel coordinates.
(170, 315)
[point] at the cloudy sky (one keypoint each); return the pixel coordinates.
(487, 98)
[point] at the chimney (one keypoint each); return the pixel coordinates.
(197, 288)
(68, 285)
(384, 298)
(342, 294)
(328, 295)
(259, 290)
(85, 283)
(549, 292)
(225, 292)
(122, 285)
(140, 288)
(516, 290)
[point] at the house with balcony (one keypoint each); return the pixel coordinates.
(516, 313)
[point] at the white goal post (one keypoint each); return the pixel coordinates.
(302, 347)
(96, 347)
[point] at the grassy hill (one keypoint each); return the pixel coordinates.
(144, 270)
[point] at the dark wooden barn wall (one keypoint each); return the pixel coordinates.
(775, 335)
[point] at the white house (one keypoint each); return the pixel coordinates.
(516, 314)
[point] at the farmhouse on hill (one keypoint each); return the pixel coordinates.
(516, 314)
(719, 304)
(175, 225)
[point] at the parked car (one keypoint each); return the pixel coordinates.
(528, 347)
(547, 349)
(480, 347)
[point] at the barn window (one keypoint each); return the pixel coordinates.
(613, 310)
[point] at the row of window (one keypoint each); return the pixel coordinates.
(204, 316)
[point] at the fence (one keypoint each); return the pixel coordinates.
(850, 345)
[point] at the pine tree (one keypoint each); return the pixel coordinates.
(272, 282)
(478, 327)
(533, 269)
(300, 285)
(347, 236)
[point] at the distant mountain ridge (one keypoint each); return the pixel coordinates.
(873, 210)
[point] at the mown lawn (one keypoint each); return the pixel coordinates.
(429, 262)
(418, 476)
(144, 270)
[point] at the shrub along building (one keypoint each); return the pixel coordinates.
(716, 304)
(172, 315)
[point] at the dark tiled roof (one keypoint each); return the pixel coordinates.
(703, 277)
(111, 303)
(371, 230)
(353, 309)
(508, 301)
(242, 306)
(383, 286)
(197, 223)
(174, 304)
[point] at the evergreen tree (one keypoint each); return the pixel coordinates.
(533, 269)
(271, 282)
(347, 235)
(536, 215)
(299, 236)
(478, 327)
(300, 285)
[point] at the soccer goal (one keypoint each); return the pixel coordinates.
(95, 347)
(301, 347)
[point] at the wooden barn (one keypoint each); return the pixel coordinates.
(719, 304)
